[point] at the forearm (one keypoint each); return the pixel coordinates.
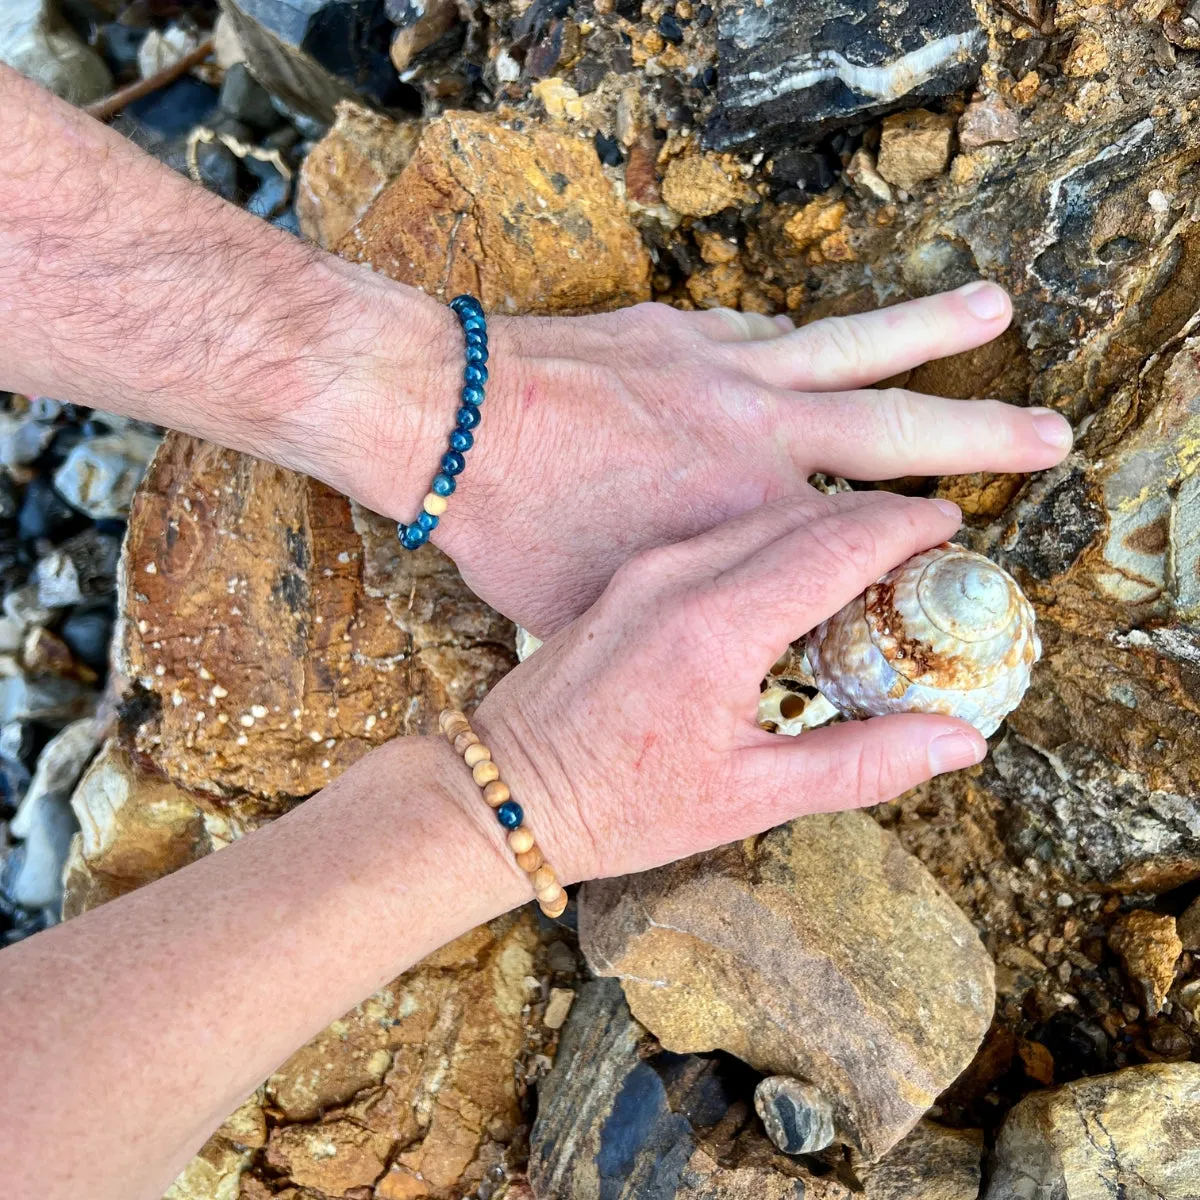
(167, 1000)
(125, 287)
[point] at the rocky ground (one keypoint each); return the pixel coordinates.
(989, 987)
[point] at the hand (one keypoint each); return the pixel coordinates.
(629, 737)
(604, 435)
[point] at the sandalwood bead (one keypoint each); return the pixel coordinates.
(520, 839)
(495, 794)
(452, 717)
(531, 859)
(434, 504)
(556, 907)
(543, 878)
(483, 773)
(476, 753)
(548, 894)
(456, 730)
(469, 738)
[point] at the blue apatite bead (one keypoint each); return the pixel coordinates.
(466, 306)
(472, 395)
(475, 375)
(475, 324)
(461, 441)
(427, 522)
(413, 537)
(443, 484)
(477, 354)
(468, 418)
(509, 814)
(453, 463)
(476, 338)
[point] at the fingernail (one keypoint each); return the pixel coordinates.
(985, 301)
(953, 751)
(1053, 428)
(950, 509)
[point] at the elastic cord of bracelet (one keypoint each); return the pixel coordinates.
(550, 896)
(474, 325)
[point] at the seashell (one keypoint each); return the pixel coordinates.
(946, 632)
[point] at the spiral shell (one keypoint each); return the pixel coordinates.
(946, 632)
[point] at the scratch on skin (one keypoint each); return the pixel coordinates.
(647, 743)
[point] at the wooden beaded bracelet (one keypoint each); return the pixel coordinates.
(550, 896)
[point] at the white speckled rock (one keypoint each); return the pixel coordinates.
(946, 632)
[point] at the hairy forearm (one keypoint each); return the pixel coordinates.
(125, 287)
(167, 1000)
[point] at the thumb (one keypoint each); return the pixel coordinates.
(854, 763)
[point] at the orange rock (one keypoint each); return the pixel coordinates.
(699, 185)
(524, 219)
(815, 221)
(1149, 947)
(914, 146)
(1087, 56)
(332, 1157)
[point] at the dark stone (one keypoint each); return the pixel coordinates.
(809, 171)
(1080, 1047)
(9, 504)
(629, 9)
(45, 514)
(218, 170)
(88, 633)
(546, 51)
(536, 20)
(175, 110)
(1022, 57)
(270, 198)
(704, 14)
(589, 73)
(246, 100)
(670, 28)
(120, 44)
(1059, 520)
(95, 556)
(609, 150)
(288, 222)
(792, 72)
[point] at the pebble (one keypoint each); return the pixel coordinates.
(44, 48)
(798, 1117)
(100, 475)
(245, 99)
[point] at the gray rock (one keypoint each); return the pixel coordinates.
(245, 99)
(100, 475)
(44, 822)
(794, 71)
(932, 1163)
(1134, 1134)
(798, 1117)
(24, 607)
(22, 439)
(50, 699)
(37, 42)
(57, 581)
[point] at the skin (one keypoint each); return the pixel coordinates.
(637, 496)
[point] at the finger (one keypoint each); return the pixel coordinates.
(729, 325)
(851, 764)
(889, 433)
(786, 588)
(849, 352)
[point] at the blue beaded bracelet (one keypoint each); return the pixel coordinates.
(474, 326)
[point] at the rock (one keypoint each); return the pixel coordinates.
(23, 607)
(44, 821)
(270, 197)
(798, 1117)
(22, 439)
(100, 474)
(558, 1006)
(420, 23)
(795, 72)
(161, 49)
(821, 950)
(318, 638)
(348, 168)
(524, 219)
(932, 1163)
(699, 185)
(914, 147)
(57, 581)
(169, 114)
(332, 1157)
(44, 653)
(35, 41)
(1188, 926)
(313, 54)
(1149, 947)
(49, 699)
(1134, 1134)
(44, 513)
(214, 1174)
(1087, 56)
(618, 1122)
(82, 568)
(246, 100)
(987, 122)
(88, 635)
(864, 177)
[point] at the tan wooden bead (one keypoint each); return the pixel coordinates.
(548, 894)
(556, 907)
(467, 738)
(475, 754)
(434, 504)
(456, 730)
(543, 878)
(496, 793)
(520, 839)
(483, 773)
(531, 859)
(452, 717)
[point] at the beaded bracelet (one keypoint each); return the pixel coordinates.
(550, 896)
(474, 324)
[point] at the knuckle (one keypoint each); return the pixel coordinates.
(838, 338)
(647, 572)
(844, 544)
(901, 418)
(874, 773)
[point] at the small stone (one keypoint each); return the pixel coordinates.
(246, 100)
(421, 23)
(988, 122)
(915, 147)
(1188, 926)
(88, 634)
(1087, 56)
(698, 185)
(865, 178)
(1149, 948)
(22, 439)
(1135, 1133)
(57, 581)
(161, 49)
(100, 475)
(44, 48)
(797, 1116)
(557, 1007)
(815, 221)
(932, 1163)
(608, 150)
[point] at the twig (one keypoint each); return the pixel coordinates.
(111, 105)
